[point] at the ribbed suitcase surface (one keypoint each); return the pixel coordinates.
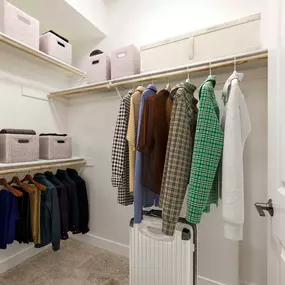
(156, 259)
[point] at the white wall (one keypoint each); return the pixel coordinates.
(93, 10)
(22, 74)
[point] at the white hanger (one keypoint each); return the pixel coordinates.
(235, 64)
(118, 93)
(188, 76)
(210, 67)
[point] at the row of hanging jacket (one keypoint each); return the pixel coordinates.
(43, 209)
(169, 147)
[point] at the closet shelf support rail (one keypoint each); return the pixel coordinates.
(41, 167)
(227, 61)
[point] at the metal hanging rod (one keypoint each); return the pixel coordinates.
(167, 73)
(42, 167)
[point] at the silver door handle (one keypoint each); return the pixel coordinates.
(261, 207)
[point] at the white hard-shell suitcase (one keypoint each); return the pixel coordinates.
(157, 259)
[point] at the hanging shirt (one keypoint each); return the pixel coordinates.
(178, 154)
(35, 210)
(236, 128)
(142, 195)
(153, 139)
(50, 215)
(8, 217)
(82, 200)
(63, 203)
(209, 139)
(120, 154)
(73, 206)
(23, 225)
(132, 133)
(13, 217)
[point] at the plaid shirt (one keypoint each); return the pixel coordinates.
(120, 154)
(207, 153)
(178, 154)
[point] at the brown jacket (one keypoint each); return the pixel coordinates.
(153, 138)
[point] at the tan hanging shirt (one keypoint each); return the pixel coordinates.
(132, 132)
(35, 208)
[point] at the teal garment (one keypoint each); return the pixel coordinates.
(50, 215)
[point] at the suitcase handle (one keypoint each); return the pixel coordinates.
(147, 231)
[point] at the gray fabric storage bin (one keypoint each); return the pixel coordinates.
(18, 148)
(55, 147)
(125, 61)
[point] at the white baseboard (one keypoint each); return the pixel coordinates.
(19, 257)
(110, 245)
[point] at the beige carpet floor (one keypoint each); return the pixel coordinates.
(74, 264)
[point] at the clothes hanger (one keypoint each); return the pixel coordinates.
(188, 76)
(210, 67)
(29, 178)
(167, 87)
(25, 187)
(235, 64)
(14, 191)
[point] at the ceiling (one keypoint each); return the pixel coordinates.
(70, 24)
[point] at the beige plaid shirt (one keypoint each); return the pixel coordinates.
(178, 154)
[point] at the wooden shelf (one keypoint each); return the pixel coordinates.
(203, 66)
(38, 54)
(8, 168)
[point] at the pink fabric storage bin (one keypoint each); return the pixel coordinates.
(56, 47)
(125, 61)
(99, 68)
(18, 148)
(20, 26)
(55, 147)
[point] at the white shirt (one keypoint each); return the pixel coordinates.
(237, 127)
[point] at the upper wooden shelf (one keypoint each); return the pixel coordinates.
(38, 54)
(38, 165)
(225, 62)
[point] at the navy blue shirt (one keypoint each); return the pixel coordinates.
(8, 217)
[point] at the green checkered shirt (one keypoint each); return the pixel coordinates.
(178, 154)
(209, 139)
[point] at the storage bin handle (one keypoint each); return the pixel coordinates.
(95, 62)
(60, 141)
(61, 44)
(121, 54)
(24, 20)
(23, 141)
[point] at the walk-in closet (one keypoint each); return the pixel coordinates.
(142, 142)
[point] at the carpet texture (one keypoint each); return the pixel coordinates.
(75, 263)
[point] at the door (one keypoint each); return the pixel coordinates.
(275, 39)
